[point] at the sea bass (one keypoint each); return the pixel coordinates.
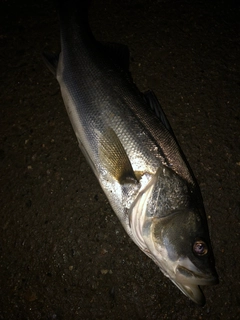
(129, 144)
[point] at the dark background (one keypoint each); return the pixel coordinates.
(63, 253)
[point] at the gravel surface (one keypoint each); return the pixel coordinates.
(63, 253)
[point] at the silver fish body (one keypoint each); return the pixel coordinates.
(134, 155)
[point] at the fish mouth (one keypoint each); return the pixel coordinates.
(188, 282)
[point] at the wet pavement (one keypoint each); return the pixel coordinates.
(63, 253)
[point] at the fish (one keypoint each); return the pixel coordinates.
(128, 142)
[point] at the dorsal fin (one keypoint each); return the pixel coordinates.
(155, 106)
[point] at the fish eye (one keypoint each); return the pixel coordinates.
(200, 248)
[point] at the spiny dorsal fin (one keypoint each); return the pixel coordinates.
(155, 106)
(115, 159)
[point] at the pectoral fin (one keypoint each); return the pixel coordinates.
(115, 159)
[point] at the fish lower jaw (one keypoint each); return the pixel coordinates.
(189, 280)
(192, 291)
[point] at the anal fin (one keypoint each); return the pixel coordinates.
(51, 61)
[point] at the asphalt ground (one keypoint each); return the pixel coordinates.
(63, 252)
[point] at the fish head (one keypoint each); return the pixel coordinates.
(181, 246)
(174, 233)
